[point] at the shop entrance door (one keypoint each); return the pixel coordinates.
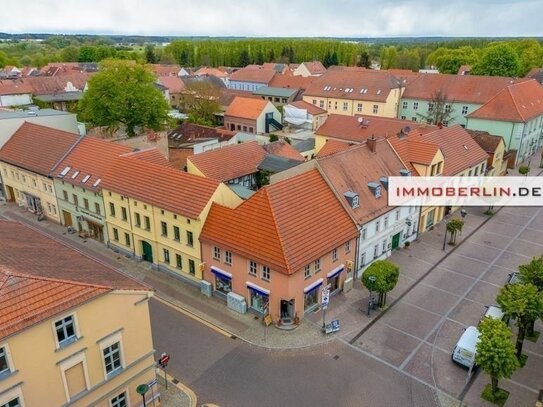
(11, 194)
(287, 309)
(67, 218)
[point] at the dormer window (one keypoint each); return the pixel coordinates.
(352, 198)
(355, 203)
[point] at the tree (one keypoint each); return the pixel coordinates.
(453, 227)
(386, 276)
(271, 56)
(440, 109)
(200, 100)
(87, 54)
(259, 59)
(150, 55)
(523, 303)
(495, 352)
(123, 93)
(244, 58)
(334, 59)
(70, 54)
(532, 273)
(388, 57)
(365, 60)
(524, 170)
(498, 60)
(326, 61)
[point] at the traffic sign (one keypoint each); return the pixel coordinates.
(325, 298)
(152, 383)
(164, 359)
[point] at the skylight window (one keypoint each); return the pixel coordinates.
(65, 171)
(85, 179)
(379, 91)
(96, 182)
(75, 174)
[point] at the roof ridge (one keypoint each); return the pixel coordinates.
(66, 154)
(12, 273)
(513, 99)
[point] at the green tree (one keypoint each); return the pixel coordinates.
(334, 59)
(495, 351)
(201, 101)
(498, 60)
(386, 276)
(388, 57)
(532, 273)
(364, 60)
(271, 55)
(453, 227)
(70, 54)
(259, 59)
(87, 54)
(524, 169)
(3, 59)
(244, 58)
(150, 56)
(524, 303)
(123, 93)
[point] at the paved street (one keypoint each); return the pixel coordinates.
(230, 372)
(418, 333)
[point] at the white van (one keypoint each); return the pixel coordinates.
(494, 311)
(464, 351)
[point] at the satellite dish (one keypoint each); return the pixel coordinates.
(360, 120)
(406, 129)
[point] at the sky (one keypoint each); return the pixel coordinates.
(276, 18)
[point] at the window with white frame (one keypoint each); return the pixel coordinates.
(334, 254)
(375, 109)
(363, 259)
(4, 364)
(384, 245)
(65, 331)
(359, 107)
(317, 265)
(228, 257)
(376, 251)
(397, 215)
(265, 273)
(252, 267)
(347, 247)
(464, 110)
(386, 222)
(364, 233)
(119, 401)
(377, 225)
(166, 253)
(217, 253)
(112, 358)
(404, 105)
(415, 105)
(345, 106)
(307, 271)
(448, 108)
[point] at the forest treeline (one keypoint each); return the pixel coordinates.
(520, 55)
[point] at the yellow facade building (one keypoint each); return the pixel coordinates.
(155, 213)
(27, 162)
(356, 91)
(66, 347)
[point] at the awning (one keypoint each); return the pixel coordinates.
(223, 273)
(258, 289)
(336, 271)
(313, 286)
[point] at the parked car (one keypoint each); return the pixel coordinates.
(464, 351)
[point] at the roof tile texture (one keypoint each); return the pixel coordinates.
(246, 108)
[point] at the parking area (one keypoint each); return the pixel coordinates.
(418, 334)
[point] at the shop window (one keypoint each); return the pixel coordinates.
(311, 299)
(223, 284)
(258, 301)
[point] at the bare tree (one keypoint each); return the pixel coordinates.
(440, 109)
(200, 100)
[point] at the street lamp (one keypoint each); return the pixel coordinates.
(142, 389)
(371, 280)
(463, 213)
(445, 235)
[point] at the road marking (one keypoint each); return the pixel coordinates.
(192, 315)
(466, 292)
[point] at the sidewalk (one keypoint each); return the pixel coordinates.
(350, 308)
(176, 395)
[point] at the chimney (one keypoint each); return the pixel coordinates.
(372, 143)
(440, 126)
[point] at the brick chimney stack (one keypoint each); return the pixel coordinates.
(372, 143)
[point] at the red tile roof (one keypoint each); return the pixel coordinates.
(173, 83)
(294, 82)
(458, 88)
(311, 108)
(486, 141)
(246, 108)
(211, 71)
(366, 84)
(26, 300)
(160, 185)
(283, 149)
(40, 277)
(89, 161)
(151, 155)
(229, 162)
(272, 226)
(350, 128)
(315, 67)
(519, 103)
(164, 70)
(43, 85)
(352, 170)
(14, 87)
(333, 146)
(459, 150)
(253, 75)
(37, 148)
(412, 151)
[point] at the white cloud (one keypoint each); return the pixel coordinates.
(277, 18)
